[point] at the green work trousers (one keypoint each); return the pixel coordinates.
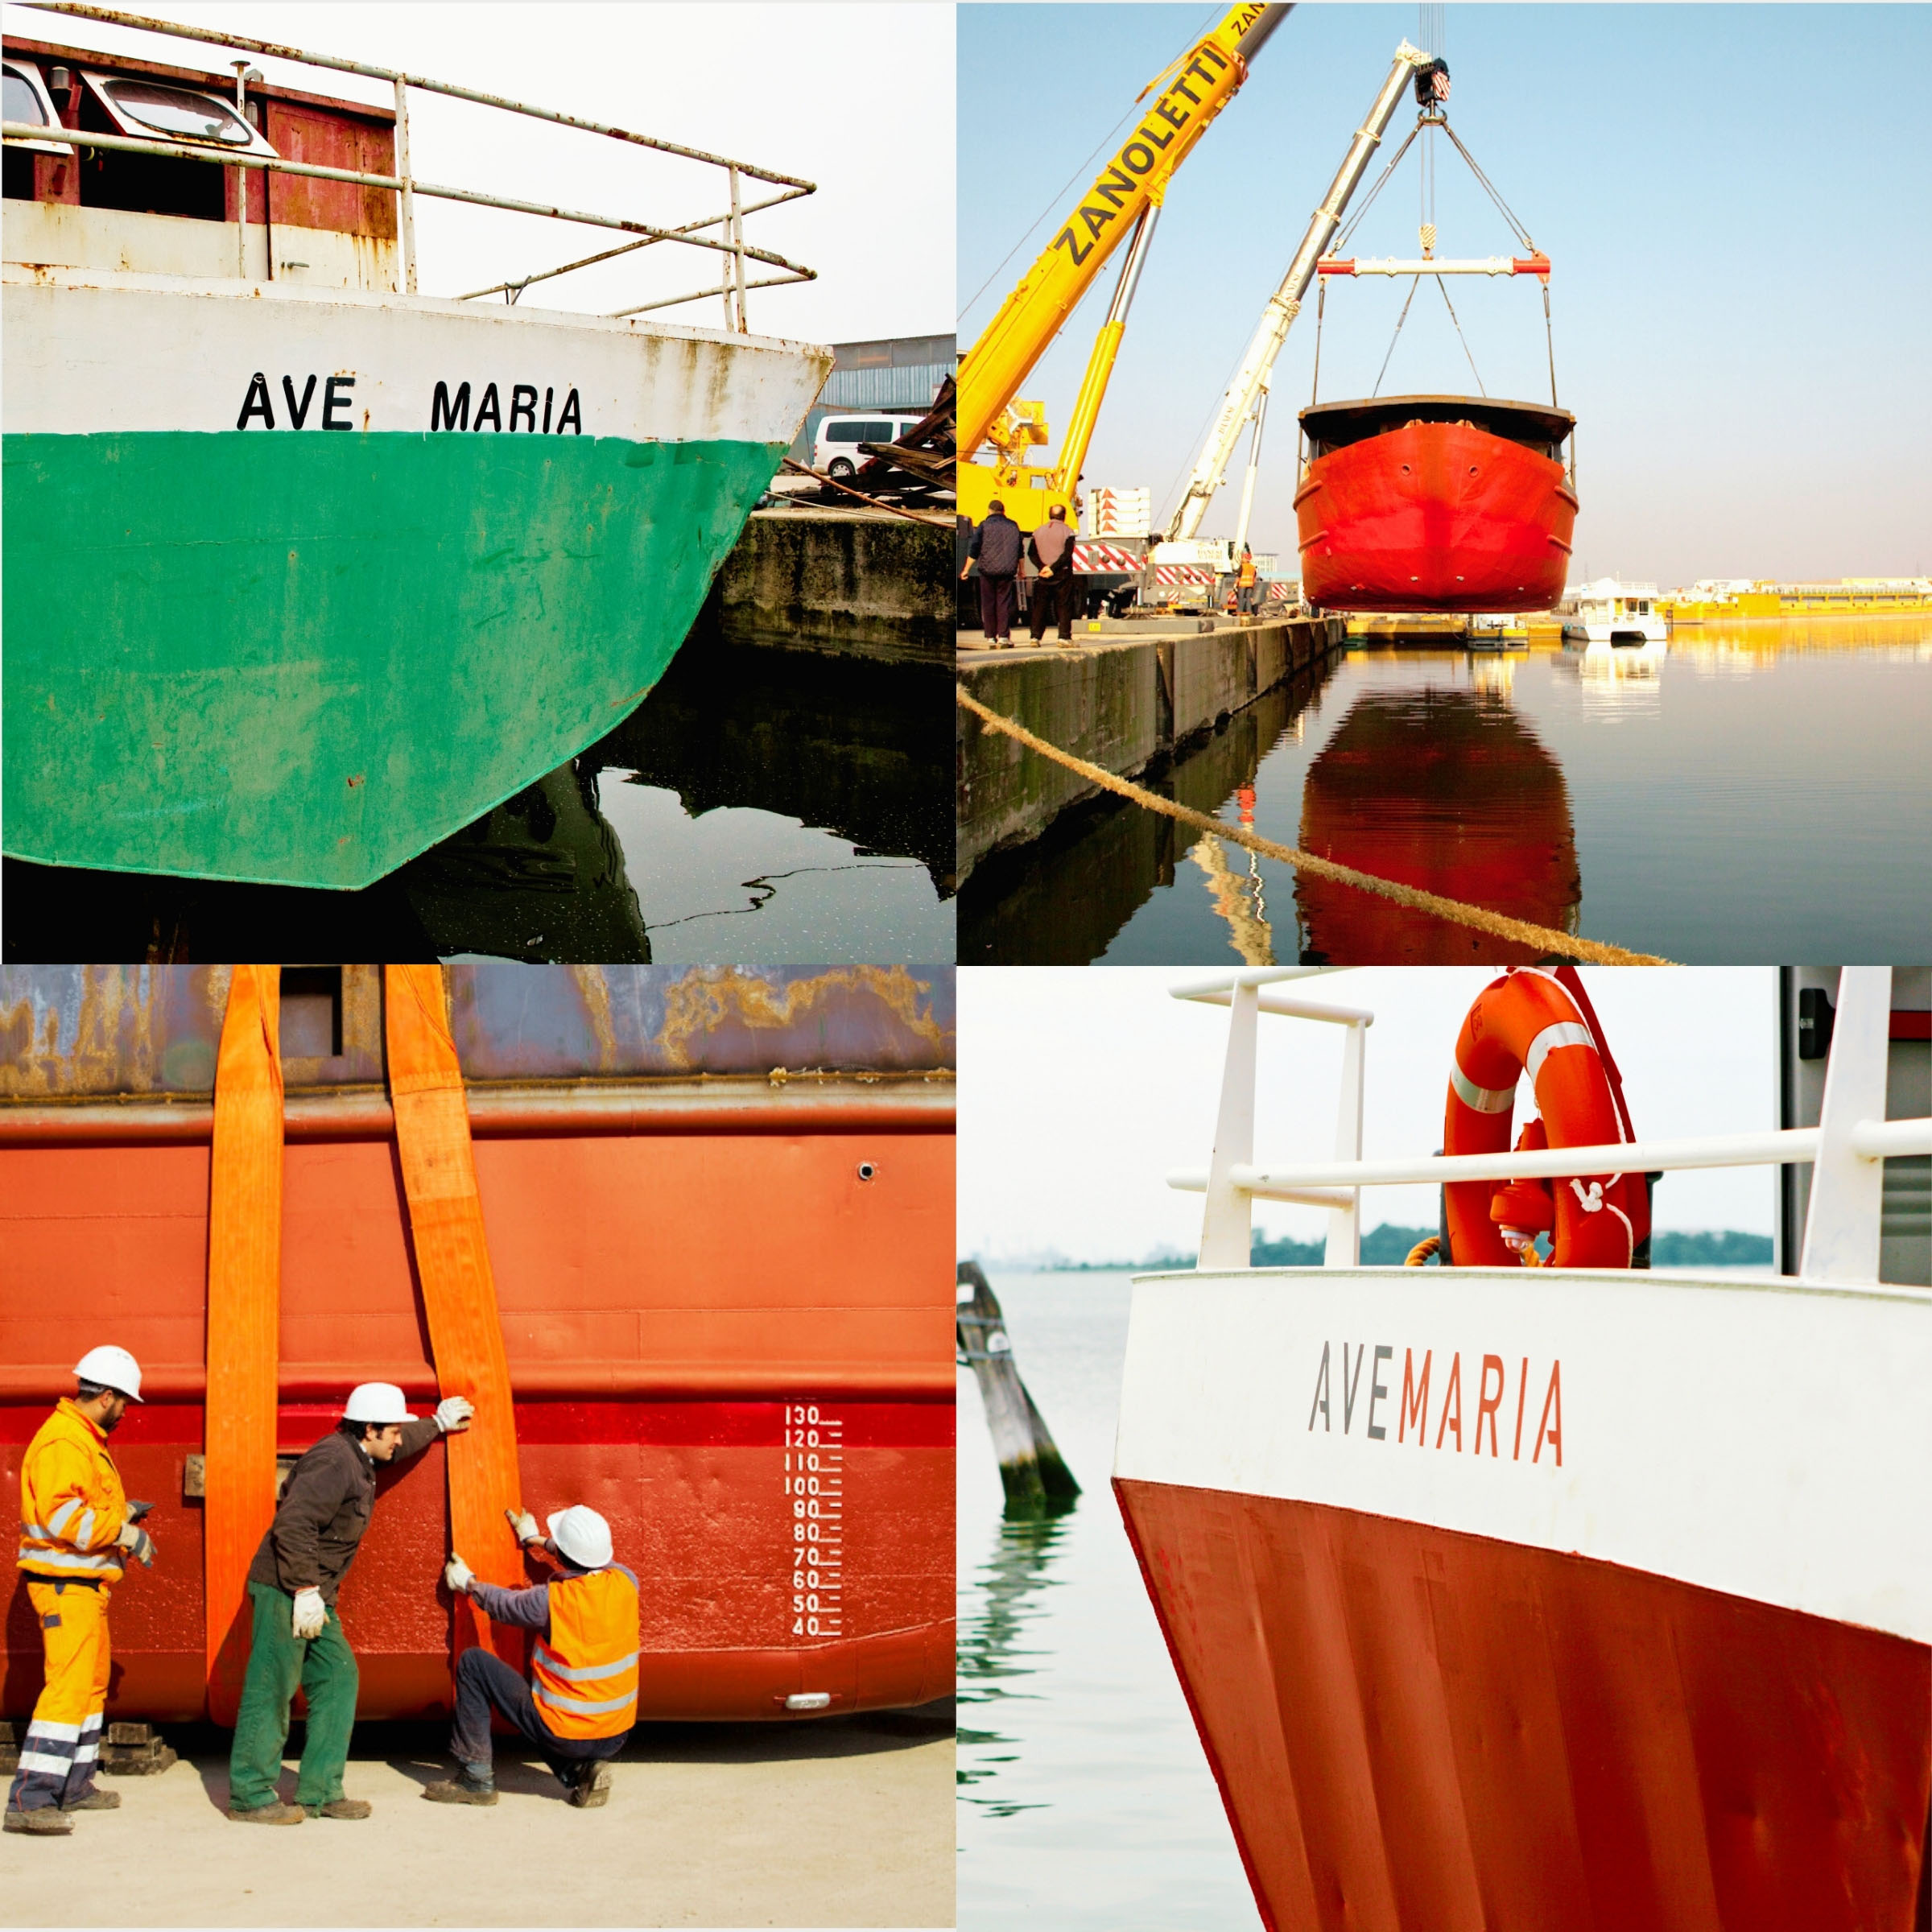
(278, 1661)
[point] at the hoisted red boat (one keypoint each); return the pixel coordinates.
(1435, 503)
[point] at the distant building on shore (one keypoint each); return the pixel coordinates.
(901, 374)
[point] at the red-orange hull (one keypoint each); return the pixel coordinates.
(666, 1299)
(1435, 517)
(1416, 1730)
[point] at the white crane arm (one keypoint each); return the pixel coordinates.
(1285, 302)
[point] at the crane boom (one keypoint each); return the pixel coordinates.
(1190, 93)
(1284, 303)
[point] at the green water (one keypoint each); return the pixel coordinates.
(1085, 1801)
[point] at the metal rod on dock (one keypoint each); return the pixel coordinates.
(1035, 1476)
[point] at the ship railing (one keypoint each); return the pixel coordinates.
(1847, 1151)
(729, 243)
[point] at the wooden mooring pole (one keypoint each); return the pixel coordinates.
(1037, 1479)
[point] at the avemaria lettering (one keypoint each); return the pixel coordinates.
(1497, 1404)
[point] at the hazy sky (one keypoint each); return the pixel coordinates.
(853, 98)
(1080, 1089)
(1732, 197)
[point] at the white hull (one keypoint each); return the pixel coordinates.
(1651, 630)
(1771, 1440)
(89, 350)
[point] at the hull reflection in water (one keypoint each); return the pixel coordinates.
(1062, 900)
(544, 871)
(1449, 791)
(854, 745)
(798, 741)
(539, 877)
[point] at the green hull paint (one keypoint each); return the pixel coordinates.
(303, 658)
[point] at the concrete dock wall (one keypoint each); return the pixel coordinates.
(857, 581)
(1120, 701)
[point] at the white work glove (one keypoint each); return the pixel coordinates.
(524, 1524)
(453, 1413)
(312, 1614)
(137, 1543)
(458, 1573)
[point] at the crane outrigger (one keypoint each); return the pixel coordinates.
(1124, 199)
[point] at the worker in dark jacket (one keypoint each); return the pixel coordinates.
(1050, 548)
(292, 1583)
(581, 1700)
(995, 546)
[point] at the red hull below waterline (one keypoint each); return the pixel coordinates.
(1430, 516)
(1418, 1730)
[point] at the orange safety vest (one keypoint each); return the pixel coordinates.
(1245, 575)
(72, 1503)
(584, 1675)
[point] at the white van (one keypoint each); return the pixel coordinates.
(836, 452)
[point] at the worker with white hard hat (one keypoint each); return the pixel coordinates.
(297, 1637)
(76, 1528)
(581, 1700)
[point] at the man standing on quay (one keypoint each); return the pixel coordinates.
(995, 546)
(292, 1584)
(75, 1525)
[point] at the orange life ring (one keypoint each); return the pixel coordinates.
(1537, 1021)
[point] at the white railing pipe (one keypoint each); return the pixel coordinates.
(1871, 1140)
(1295, 1010)
(1844, 1212)
(405, 208)
(1216, 988)
(181, 150)
(213, 37)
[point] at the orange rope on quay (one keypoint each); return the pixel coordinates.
(1566, 945)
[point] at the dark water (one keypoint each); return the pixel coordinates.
(1086, 1803)
(762, 805)
(1747, 795)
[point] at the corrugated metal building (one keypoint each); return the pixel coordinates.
(901, 374)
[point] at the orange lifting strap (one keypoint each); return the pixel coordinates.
(458, 1291)
(244, 1319)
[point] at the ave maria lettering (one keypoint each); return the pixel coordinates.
(1414, 1404)
(446, 411)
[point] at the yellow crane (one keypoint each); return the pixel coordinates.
(1124, 200)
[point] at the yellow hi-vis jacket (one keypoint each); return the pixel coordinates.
(583, 1676)
(72, 1503)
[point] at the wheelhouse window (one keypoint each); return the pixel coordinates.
(152, 110)
(27, 100)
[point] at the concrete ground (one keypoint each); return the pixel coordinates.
(843, 1823)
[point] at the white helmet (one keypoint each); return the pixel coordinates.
(380, 1403)
(113, 1369)
(582, 1535)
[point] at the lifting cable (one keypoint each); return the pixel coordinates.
(1522, 932)
(1460, 335)
(244, 1322)
(1355, 220)
(1415, 283)
(459, 1290)
(1522, 233)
